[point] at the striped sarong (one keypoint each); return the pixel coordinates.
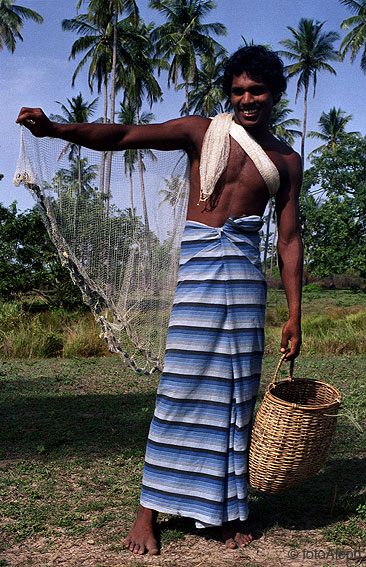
(196, 457)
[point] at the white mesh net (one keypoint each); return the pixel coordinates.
(120, 247)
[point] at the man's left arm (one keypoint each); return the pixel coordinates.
(290, 253)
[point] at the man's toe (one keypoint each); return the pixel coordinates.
(244, 540)
(230, 543)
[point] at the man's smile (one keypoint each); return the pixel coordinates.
(249, 111)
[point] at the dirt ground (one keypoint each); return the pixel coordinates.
(278, 548)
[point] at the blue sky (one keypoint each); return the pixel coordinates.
(39, 72)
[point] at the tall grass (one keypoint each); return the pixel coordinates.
(337, 331)
(333, 323)
(47, 334)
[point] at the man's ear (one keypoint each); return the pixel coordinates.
(276, 98)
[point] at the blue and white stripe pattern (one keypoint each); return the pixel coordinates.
(196, 457)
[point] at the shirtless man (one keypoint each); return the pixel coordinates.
(254, 81)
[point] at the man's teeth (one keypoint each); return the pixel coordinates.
(250, 111)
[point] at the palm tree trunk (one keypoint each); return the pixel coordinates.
(79, 169)
(267, 237)
(113, 97)
(105, 119)
(141, 175)
(272, 252)
(187, 97)
(131, 195)
(146, 217)
(304, 124)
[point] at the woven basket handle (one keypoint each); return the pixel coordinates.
(291, 371)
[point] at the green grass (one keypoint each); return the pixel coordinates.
(72, 443)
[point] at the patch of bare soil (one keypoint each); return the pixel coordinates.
(277, 548)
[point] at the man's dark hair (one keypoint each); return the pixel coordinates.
(256, 60)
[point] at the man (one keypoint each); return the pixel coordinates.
(196, 456)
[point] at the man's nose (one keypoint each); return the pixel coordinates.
(247, 98)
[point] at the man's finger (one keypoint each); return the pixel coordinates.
(293, 352)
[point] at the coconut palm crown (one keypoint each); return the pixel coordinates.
(184, 36)
(331, 127)
(12, 19)
(355, 40)
(281, 126)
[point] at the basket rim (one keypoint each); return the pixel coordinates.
(272, 385)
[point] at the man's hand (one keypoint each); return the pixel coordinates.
(291, 332)
(36, 121)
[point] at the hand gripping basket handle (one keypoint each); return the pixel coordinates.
(291, 371)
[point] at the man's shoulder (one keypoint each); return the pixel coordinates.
(288, 154)
(191, 125)
(191, 120)
(193, 128)
(194, 122)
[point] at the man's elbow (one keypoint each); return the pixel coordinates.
(289, 241)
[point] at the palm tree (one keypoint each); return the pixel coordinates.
(139, 82)
(332, 126)
(281, 126)
(183, 37)
(86, 174)
(95, 40)
(127, 115)
(206, 98)
(97, 33)
(97, 11)
(11, 22)
(172, 192)
(105, 14)
(79, 110)
(355, 40)
(310, 48)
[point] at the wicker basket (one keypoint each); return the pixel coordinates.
(292, 432)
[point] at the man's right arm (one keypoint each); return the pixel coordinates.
(175, 134)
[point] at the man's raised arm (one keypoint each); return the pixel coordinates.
(290, 253)
(172, 135)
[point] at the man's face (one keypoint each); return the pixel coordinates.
(252, 101)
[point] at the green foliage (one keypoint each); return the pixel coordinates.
(334, 230)
(29, 261)
(311, 288)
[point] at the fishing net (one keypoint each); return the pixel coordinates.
(117, 230)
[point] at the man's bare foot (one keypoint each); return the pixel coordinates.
(141, 537)
(236, 534)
